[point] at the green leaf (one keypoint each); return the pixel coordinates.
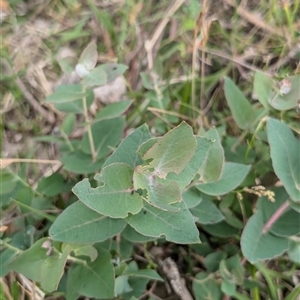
(68, 124)
(192, 197)
(133, 236)
(257, 245)
(263, 88)
(221, 229)
(289, 100)
(113, 110)
(114, 198)
(205, 287)
(207, 212)
(67, 64)
(241, 109)
(79, 224)
(159, 193)
(68, 98)
(83, 250)
(113, 70)
(144, 273)
(126, 151)
(67, 93)
(92, 279)
(95, 77)
(213, 260)
(232, 270)
(212, 167)
(232, 176)
(176, 227)
(188, 173)
(80, 163)
(285, 224)
(228, 287)
(285, 154)
(106, 134)
(172, 152)
(35, 264)
(89, 56)
(53, 185)
(294, 250)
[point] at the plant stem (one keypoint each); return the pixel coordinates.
(89, 128)
(278, 213)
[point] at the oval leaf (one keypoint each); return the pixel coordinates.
(115, 197)
(241, 109)
(285, 154)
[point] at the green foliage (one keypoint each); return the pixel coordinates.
(178, 187)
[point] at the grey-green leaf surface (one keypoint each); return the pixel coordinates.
(288, 223)
(113, 110)
(285, 154)
(172, 152)
(188, 173)
(240, 107)
(257, 245)
(114, 198)
(113, 70)
(81, 163)
(212, 167)
(95, 77)
(207, 212)
(126, 151)
(232, 176)
(34, 263)
(106, 134)
(89, 56)
(79, 224)
(205, 287)
(67, 93)
(263, 88)
(289, 100)
(133, 236)
(92, 279)
(159, 192)
(221, 229)
(176, 227)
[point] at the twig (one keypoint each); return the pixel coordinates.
(4, 162)
(149, 44)
(170, 269)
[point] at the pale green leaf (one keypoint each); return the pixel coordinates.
(240, 107)
(67, 93)
(289, 100)
(81, 163)
(176, 227)
(232, 176)
(126, 151)
(133, 236)
(263, 88)
(285, 154)
(106, 134)
(112, 110)
(172, 152)
(95, 77)
(89, 56)
(92, 279)
(207, 212)
(257, 245)
(205, 287)
(35, 264)
(79, 224)
(188, 173)
(212, 167)
(114, 197)
(159, 193)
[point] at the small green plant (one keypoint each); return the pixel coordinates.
(179, 187)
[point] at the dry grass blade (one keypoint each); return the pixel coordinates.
(149, 44)
(4, 162)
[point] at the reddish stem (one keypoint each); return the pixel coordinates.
(278, 213)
